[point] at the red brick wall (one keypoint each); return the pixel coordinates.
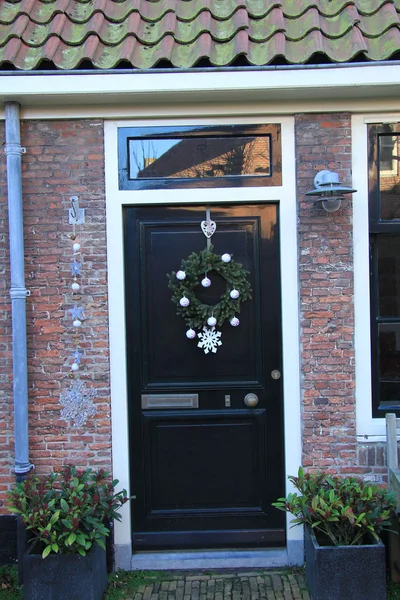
(327, 308)
(326, 299)
(62, 159)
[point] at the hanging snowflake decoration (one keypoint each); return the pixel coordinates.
(209, 340)
(75, 268)
(78, 403)
(76, 357)
(77, 312)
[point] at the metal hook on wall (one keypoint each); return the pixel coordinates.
(76, 214)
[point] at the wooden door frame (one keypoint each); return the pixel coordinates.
(115, 200)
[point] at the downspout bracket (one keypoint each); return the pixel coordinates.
(19, 292)
(14, 149)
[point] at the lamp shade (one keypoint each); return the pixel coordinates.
(327, 184)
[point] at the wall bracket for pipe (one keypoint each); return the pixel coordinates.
(19, 292)
(14, 149)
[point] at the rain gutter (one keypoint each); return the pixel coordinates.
(18, 291)
(155, 70)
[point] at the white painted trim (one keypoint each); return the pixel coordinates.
(362, 344)
(290, 315)
(368, 428)
(391, 117)
(116, 199)
(373, 80)
(39, 108)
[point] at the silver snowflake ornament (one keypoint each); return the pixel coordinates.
(209, 340)
(78, 403)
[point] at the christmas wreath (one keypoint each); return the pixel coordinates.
(192, 273)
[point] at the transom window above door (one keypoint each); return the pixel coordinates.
(384, 227)
(199, 156)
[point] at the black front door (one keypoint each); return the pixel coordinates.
(204, 466)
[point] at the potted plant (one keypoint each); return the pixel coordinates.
(343, 516)
(64, 515)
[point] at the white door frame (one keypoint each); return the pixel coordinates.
(115, 200)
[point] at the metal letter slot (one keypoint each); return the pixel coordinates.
(150, 401)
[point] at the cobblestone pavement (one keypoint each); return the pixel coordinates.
(226, 585)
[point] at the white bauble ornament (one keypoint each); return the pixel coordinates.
(234, 321)
(190, 334)
(181, 275)
(226, 257)
(205, 282)
(75, 367)
(75, 286)
(211, 321)
(77, 323)
(184, 301)
(234, 294)
(76, 247)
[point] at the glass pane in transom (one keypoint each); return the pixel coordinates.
(199, 157)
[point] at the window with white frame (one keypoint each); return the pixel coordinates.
(384, 228)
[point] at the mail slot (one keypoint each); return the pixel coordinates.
(150, 401)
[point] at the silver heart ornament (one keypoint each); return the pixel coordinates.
(208, 228)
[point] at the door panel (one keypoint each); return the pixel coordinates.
(164, 356)
(219, 453)
(204, 476)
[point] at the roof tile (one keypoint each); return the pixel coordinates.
(182, 32)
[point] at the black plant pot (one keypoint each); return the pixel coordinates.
(65, 576)
(345, 572)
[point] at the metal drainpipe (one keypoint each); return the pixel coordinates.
(18, 292)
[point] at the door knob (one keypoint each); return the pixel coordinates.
(251, 400)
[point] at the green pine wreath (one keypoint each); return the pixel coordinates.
(195, 267)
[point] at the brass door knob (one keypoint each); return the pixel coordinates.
(251, 400)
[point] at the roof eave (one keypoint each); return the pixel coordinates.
(254, 84)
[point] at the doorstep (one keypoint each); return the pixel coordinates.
(211, 559)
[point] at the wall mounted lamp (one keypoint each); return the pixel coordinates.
(328, 190)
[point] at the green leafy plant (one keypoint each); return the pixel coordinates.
(65, 512)
(346, 510)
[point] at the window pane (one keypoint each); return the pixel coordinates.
(389, 275)
(389, 393)
(199, 157)
(389, 351)
(389, 174)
